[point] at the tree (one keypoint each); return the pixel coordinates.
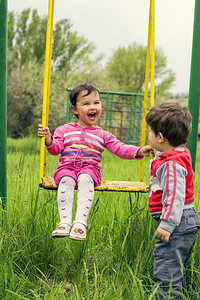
(71, 54)
(24, 94)
(127, 67)
(70, 51)
(26, 36)
(27, 40)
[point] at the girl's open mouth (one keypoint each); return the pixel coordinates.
(92, 116)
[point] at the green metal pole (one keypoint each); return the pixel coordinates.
(131, 117)
(111, 108)
(3, 102)
(68, 111)
(107, 106)
(194, 91)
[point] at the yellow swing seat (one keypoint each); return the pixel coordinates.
(106, 185)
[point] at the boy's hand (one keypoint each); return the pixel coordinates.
(145, 151)
(45, 132)
(163, 234)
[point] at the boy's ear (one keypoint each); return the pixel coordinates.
(74, 110)
(161, 138)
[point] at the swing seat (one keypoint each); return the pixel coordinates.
(106, 185)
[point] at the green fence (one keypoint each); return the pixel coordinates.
(121, 115)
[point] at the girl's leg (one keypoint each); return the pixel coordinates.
(65, 199)
(85, 197)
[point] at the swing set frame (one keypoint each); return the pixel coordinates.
(47, 182)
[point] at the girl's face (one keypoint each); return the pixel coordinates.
(88, 108)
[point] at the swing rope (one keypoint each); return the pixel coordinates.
(149, 58)
(46, 88)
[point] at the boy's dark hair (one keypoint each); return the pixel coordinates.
(173, 120)
(79, 88)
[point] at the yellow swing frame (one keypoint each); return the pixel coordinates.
(120, 186)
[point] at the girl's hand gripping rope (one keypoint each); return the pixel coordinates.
(45, 132)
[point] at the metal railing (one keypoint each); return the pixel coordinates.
(121, 115)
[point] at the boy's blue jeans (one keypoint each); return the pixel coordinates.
(170, 259)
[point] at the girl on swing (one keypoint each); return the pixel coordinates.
(81, 146)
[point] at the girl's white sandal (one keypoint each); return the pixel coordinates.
(78, 234)
(62, 230)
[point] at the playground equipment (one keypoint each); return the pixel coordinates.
(3, 102)
(194, 93)
(121, 115)
(48, 182)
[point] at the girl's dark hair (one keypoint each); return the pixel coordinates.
(173, 120)
(79, 88)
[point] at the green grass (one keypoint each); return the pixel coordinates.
(116, 261)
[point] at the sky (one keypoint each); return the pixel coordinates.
(111, 24)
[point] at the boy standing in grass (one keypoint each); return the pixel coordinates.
(171, 196)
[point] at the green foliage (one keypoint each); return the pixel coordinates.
(127, 67)
(26, 53)
(27, 40)
(73, 61)
(24, 94)
(116, 261)
(69, 51)
(26, 36)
